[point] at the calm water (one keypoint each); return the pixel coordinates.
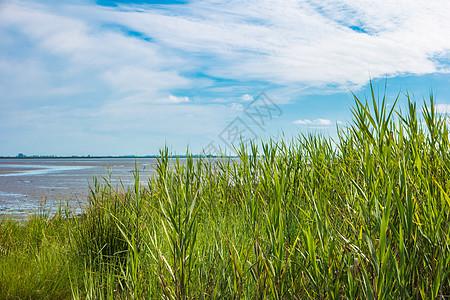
(26, 183)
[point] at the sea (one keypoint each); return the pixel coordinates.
(46, 185)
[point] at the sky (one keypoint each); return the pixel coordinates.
(83, 77)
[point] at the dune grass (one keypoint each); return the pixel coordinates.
(365, 216)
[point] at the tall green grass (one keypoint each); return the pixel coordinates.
(362, 216)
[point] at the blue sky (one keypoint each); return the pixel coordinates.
(127, 77)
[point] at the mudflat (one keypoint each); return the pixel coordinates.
(13, 170)
(25, 183)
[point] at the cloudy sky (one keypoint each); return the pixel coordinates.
(82, 77)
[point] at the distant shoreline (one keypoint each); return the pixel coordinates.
(75, 157)
(89, 157)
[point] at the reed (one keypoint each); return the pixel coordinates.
(363, 216)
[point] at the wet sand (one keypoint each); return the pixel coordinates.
(9, 170)
(28, 184)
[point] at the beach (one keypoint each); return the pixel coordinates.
(28, 184)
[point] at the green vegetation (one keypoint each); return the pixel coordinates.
(365, 216)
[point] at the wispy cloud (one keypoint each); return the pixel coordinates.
(308, 42)
(247, 97)
(73, 54)
(237, 106)
(291, 43)
(442, 108)
(174, 99)
(116, 66)
(312, 122)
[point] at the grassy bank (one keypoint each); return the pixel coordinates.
(364, 216)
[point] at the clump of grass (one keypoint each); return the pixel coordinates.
(363, 216)
(33, 258)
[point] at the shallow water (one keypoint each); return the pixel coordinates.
(26, 184)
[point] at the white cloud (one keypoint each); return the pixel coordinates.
(295, 44)
(174, 99)
(58, 59)
(71, 54)
(237, 106)
(313, 122)
(442, 108)
(291, 42)
(246, 98)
